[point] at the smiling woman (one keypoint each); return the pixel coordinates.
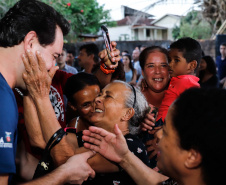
(118, 103)
(80, 99)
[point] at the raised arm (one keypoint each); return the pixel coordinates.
(114, 147)
(103, 78)
(38, 81)
(32, 123)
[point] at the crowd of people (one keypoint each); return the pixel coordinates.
(155, 116)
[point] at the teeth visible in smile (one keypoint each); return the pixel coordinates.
(158, 79)
(98, 110)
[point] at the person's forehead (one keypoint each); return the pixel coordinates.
(116, 88)
(156, 54)
(175, 51)
(87, 92)
(136, 51)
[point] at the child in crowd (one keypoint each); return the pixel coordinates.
(184, 58)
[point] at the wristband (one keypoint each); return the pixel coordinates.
(105, 69)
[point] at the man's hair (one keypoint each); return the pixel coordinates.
(144, 54)
(91, 48)
(190, 48)
(78, 82)
(31, 15)
(223, 44)
(71, 51)
(199, 119)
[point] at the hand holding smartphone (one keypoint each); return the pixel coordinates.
(107, 41)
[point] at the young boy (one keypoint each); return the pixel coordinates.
(184, 58)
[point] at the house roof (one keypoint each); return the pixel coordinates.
(127, 11)
(166, 15)
(129, 20)
(149, 27)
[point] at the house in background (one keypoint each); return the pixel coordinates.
(137, 25)
(169, 21)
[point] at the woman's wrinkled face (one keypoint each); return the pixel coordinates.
(84, 101)
(109, 106)
(156, 71)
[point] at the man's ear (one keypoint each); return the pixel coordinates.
(193, 159)
(91, 56)
(192, 65)
(129, 114)
(30, 39)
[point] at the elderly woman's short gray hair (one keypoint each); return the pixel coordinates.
(140, 106)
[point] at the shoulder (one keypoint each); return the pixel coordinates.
(186, 79)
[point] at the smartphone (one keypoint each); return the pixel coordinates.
(107, 41)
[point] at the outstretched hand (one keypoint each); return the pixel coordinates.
(114, 56)
(36, 76)
(111, 146)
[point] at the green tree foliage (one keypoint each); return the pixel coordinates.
(85, 16)
(193, 25)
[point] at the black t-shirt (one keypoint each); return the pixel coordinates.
(136, 146)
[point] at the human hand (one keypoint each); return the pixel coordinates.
(36, 76)
(77, 169)
(152, 145)
(111, 146)
(148, 122)
(114, 54)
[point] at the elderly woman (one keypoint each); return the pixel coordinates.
(117, 103)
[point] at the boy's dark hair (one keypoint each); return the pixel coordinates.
(190, 48)
(78, 82)
(31, 15)
(199, 119)
(144, 54)
(91, 49)
(210, 64)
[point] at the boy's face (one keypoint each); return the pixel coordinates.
(177, 63)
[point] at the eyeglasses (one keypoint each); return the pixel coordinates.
(135, 97)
